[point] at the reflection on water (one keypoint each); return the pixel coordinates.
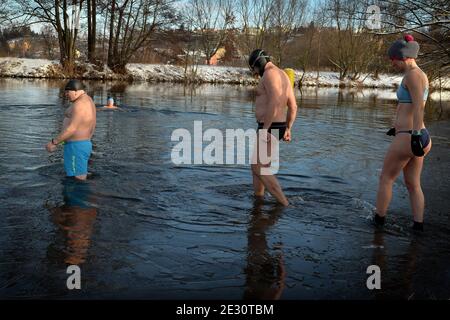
(405, 273)
(75, 220)
(142, 227)
(265, 272)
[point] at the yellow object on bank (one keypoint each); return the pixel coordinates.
(291, 74)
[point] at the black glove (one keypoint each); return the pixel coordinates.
(391, 132)
(416, 144)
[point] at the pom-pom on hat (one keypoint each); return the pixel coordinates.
(408, 38)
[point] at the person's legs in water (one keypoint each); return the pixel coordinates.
(258, 186)
(271, 183)
(262, 181)
(412, 172)
(397, 157)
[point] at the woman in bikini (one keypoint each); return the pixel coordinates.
(411, 139)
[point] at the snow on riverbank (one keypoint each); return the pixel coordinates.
(29, 68)
(41, 68)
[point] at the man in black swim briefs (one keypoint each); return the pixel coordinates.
(273, 94)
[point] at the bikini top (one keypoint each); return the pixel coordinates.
(403, 95)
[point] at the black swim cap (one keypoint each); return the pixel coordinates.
(258, 59)
(74, 85)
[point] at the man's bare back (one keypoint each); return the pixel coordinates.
(280, 89)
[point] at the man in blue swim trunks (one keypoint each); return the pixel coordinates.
(78, 129)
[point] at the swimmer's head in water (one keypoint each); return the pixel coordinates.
(110, 101)
(403, 49)
(257, 61)
(73, 89)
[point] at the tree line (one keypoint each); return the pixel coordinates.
(324, 34)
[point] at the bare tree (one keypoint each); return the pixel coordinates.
(351, 47)
(3, 12)
(254, 16)
(190, 56)
(132, 24)
(50, 41)
(10, 12)
(102, 11)
(210, 21)
(269, 24)
(305, 49)
(63, 16)
(285, 19)
(320, 23)
(308, 44)
(92, 28)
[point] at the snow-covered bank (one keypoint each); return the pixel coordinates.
(41, 68)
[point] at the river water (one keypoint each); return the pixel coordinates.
(144, 228)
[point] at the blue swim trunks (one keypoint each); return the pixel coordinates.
(76, 156)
